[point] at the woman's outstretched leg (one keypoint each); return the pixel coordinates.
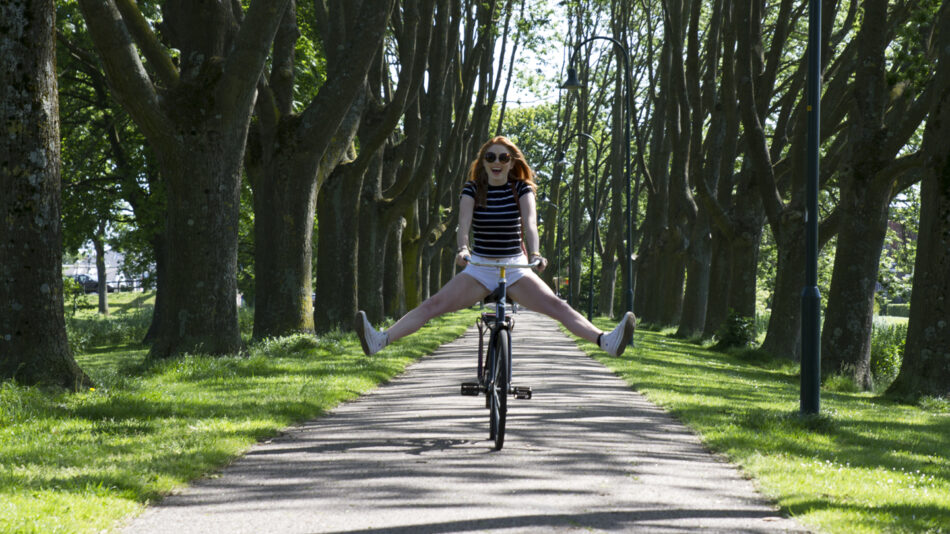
(531, 292)
(461, 292)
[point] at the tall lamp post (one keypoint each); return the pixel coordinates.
(543, 199)
(572, 84)
(593, 221)
(810, 394)
(562, 161)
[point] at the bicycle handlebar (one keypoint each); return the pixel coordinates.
(531, 265)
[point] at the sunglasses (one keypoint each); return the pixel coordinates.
(504, 157)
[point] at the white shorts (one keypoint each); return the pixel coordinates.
(488, 276)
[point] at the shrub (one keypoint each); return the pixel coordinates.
(284, 346)
(897, 310)
(887, 350)
(761, 322)
(841, 383)
(72, 292)
(736, 331)
(86, 332)
(246, 323)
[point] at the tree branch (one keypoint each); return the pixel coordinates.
(244, 65)
(322, 117)
(127, 77)
(154, 52)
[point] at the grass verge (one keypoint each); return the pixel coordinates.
(83, 462)
(865, 464)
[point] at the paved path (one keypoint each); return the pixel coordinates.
(586, 454)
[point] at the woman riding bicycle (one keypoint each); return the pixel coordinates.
(497, 204)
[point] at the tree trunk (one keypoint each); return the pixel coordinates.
(697, 279)
(411, 260)
(673, 279)
(291, 154)
(372, 245)
(575, 254)
(196, 119)
(549, 241)
(783, 338)
(33, 345)
(683, 211)
(283, 253)
(99, 242)
(724, 231)
(748, 218)
(846, 332)
(394, 296)
(720, 273)
(201, 230)
(648, 302)
(337, 261)
(608, 270)
(925, 369)
(160, 310)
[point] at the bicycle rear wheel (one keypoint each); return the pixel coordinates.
(498, 390)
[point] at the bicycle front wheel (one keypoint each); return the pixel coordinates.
(498, 390)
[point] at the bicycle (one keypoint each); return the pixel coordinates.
(494, 370)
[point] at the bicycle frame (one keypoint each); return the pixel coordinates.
(501, 321)
(494, 381)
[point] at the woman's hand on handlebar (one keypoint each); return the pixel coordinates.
(542, 262)
(461, 259)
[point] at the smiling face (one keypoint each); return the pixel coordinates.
(498, 162)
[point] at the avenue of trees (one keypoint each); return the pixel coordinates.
(287, 149)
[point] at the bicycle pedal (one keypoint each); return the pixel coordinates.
(521, 392)
(471, 389)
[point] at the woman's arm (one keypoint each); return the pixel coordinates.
(529, 219)
(466, 208)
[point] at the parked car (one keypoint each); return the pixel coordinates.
(88, 285)
(120, 284)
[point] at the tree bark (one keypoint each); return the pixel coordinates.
(33, 345)
(373, 232)
(704, 159)
(648, 302)
(881, 124)
(338, 217)
(783, 337)
(925, 368)
(99, 242)
(291, 154)
(672, 255)
(381, 161)
(160, 310)
(196, 119)
(748, 218)
(720, 272)
(394, 296)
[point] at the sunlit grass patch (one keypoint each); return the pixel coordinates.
(864, 464)
(80, 462)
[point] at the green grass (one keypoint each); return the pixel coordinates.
(82, 462)
(864, 464)
(119, 303)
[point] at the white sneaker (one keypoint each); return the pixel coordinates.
(616, 341)
(372, 340)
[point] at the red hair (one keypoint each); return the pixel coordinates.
(520, 170)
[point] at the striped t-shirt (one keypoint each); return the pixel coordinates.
(496, 227)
